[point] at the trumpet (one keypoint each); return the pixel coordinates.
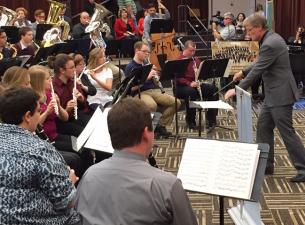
(86, 71)
(74, 97)
(196, 72)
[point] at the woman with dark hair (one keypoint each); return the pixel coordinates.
(239, 27)
(126, 31)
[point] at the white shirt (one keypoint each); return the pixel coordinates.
(3, 19)
(228, 32)
(102, 95)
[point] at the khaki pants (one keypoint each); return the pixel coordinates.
(153, 98)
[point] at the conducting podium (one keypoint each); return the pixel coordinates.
(224, 169)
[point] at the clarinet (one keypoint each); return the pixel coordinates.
(41, 134)
(156, 80)
(196, 72)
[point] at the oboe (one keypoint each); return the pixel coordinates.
(157, 82)
(196, 72)
(53, 97)
(74, 97)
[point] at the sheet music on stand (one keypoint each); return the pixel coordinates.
(96, 120)
(219, 167)
(100, 139)
(210, 105)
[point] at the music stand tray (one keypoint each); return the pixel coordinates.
(7, 63)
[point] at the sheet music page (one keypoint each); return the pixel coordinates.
(100, 139)
(93, 122)
(210, 105)
(219, 167)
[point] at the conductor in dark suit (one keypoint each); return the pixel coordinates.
(280, 93)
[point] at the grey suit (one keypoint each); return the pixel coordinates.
(280, 93)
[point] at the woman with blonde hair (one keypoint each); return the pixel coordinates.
(16, 76)
(51, 110)
(101, 79)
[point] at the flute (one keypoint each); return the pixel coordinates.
(86, 71)
(74, 96)
(53, 97)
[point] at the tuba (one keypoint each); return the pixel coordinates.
(51, 37)
(53, 17)
(11, 15)
(95, 34)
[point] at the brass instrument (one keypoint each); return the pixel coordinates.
(95, 34)
(11, 15)
(100, 13)
(196, 72)
(51, 37)
(53, 17)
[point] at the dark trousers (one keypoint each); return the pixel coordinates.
(64, 144)
(73, 127)
(280, 117)
(189, 93)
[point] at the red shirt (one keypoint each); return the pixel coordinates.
(64, 92)
(141, 26)
(120, 28)
(189, 76)
(49, 124)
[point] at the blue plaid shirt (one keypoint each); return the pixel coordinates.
(34, 180)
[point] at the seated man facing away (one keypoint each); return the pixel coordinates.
(34, 179)
(125, 189)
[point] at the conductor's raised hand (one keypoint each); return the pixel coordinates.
(238, 76)
(230, 93)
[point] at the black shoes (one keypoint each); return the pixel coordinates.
(160, 131)
(298, 178)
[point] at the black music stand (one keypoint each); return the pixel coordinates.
(12, 33)
(7, 63)
(41, 30)
(171, 71)
(137, 76)
(42, 55)
(162, 26)
(211, 68)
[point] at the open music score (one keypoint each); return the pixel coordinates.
(219, 167)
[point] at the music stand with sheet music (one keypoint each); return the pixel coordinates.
(42, 55)
(137, 77)
(210, 68)
(209, 182)
(162, 26)
(12, 33)
(171, 71)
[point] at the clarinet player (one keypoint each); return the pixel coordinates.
(188, 88)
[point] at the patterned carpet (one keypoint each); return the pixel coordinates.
(282, 202)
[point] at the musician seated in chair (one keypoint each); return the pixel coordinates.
(126, 32)
(78, 30)
(25, 45)
(187, 88)
(151, 10)
(151, 96)
(4, 52)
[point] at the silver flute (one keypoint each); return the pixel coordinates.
(196, 72)
(53, 97)
(74, 96)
